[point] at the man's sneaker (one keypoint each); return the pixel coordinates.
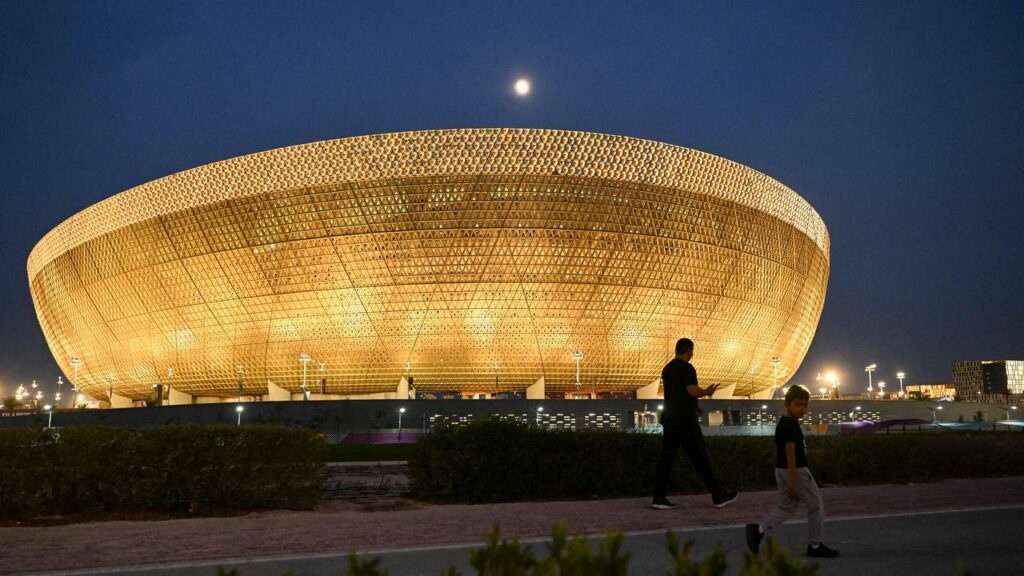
(821, 551)
(754, 537)
(662, 504)
(723, 498)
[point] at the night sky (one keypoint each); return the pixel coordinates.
(902, 123)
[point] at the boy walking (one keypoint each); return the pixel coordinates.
(793, 477)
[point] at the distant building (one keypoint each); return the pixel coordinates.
(933, 391)
(989, 380)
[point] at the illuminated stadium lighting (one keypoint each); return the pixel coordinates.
(448, 248)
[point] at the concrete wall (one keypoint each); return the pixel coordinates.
(347, 416)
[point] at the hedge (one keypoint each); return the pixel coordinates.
(171, 468)
(496, 461)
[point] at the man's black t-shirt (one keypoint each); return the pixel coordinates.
(680, 406)
(788, 430)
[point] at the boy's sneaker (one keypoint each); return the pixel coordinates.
(662, 504)
(754, 537)
(821, 551)
(723, 498)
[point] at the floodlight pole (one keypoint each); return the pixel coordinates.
(75, 362)
(304, 358)
(241, 386)
(775, 374)
(577, 356)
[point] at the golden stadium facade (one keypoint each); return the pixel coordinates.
(475, 260)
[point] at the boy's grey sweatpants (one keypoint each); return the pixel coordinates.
(807, 494)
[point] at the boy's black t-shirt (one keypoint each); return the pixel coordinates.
(788, 430)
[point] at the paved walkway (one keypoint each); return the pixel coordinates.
(381, 524)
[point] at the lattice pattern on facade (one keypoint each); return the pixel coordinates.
(472, 260)
(556, 421)
(967, 379)
(760, 418)
(449, 420)
(839, 416)
(1015, 376)
(604, 421)
(519, 418)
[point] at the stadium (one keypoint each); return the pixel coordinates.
(476, 263)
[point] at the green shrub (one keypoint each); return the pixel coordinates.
(895, 458)
(177, 467)
(495, 461)
(682, 565)
(502, 557)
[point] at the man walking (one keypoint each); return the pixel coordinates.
(681, 428)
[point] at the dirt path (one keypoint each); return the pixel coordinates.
(378, 523)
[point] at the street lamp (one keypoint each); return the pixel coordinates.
(304, 359)
(239, 409)
(540, 410)
(1008, 408)
(869, 369)
(881, 389)
(49, 419)
(60, 383)
(577, 356)
(400, 412)
(822, 390)
(900, 376)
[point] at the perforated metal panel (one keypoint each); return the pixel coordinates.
(473, 260)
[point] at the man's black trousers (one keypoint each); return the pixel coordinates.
(690, 439)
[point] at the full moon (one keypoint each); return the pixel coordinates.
(522, 86)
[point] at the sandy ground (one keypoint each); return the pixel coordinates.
(382, 522)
